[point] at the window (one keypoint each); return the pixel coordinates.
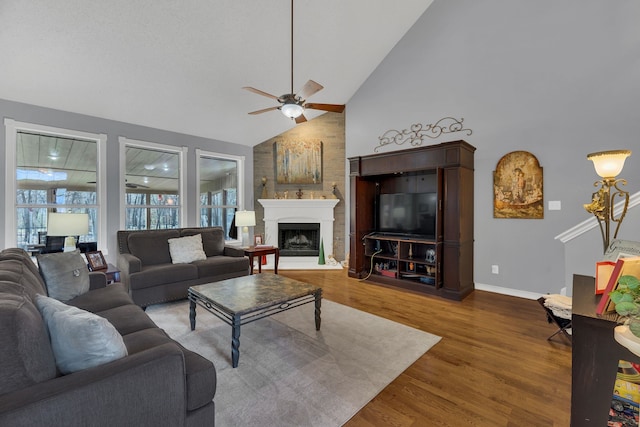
(219, 177)
(153, 185)
(52, 170)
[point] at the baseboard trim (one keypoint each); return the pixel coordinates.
(507, 291)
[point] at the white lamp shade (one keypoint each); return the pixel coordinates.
(292, 110)
(67, 224)
(245, 218)
(609, 164)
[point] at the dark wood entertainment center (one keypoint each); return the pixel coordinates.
(441, 264)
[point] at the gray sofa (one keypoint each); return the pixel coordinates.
(158, 383)
(150, 276)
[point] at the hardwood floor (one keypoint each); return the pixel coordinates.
(493, 367)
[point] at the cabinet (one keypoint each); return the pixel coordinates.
(445, 169)
(413, 260)
(594, 357)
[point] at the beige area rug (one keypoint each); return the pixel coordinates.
(289, 374)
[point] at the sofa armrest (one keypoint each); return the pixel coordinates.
(97, 280)
(233, 251)
(128, 264)
(146, 388)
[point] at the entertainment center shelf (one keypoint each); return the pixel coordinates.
(411, 259)
(424, 191)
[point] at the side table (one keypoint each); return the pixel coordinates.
(113, 273)
(259, 251)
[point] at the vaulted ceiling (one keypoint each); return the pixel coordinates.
(180, 65)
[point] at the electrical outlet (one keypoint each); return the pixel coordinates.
(495, 269)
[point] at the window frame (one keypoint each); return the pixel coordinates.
(182, 185)
(12, 128)
(240, 161)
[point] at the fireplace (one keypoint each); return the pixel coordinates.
(299, 239)
(302, 212)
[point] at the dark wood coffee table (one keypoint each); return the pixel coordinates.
(246, 299)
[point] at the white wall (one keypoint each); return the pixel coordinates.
(559, 79)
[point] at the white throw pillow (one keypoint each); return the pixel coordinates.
(65, 273)
(79, 339)
(184, 250)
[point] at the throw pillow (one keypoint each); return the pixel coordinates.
(186, 249)
(79, 339)
(212, 239)
(65, 274)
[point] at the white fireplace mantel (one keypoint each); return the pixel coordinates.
(313, 211)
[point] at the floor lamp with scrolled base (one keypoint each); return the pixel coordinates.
(608, 165)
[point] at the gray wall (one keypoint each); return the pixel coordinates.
(559, 79)
(113, 130)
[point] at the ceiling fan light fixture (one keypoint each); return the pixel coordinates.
(292, 109)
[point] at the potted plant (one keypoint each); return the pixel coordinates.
(626, 298)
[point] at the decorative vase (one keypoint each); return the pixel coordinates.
(321, 254)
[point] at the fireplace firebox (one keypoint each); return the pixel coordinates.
(299, 239)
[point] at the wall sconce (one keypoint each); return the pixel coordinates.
(608, 165)
(68, 225)
(245, 219)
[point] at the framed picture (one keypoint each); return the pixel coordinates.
(258, 239)
(96, 261)
(517, 187)
(299, 162)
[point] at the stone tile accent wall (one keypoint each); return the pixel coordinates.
(328, 128)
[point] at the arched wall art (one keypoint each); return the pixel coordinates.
(517, 187)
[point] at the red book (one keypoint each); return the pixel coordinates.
(624, 267)
(603, 273)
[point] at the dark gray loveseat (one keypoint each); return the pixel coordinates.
(151, 277)
(159, 382)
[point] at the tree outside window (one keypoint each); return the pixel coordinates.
(152, 184)
(53, 174)
(218, 193)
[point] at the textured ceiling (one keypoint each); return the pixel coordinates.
(180, 65)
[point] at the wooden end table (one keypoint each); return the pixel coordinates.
(113, 273)
(259, 251)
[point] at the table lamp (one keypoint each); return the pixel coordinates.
(245, 219)
(68, 225)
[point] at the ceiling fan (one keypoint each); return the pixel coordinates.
(294, 104)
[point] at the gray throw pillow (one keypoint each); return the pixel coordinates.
(79, 339)
(65, 274)
(186, 249)
(212, 239)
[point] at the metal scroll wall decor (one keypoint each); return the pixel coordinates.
(517, 187)
(417, 133)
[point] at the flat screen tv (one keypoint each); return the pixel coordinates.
(408, 213)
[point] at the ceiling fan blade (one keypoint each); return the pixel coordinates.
(335, 108)
(264, 110)
(301, 119)
(309, 89)
(260, 92)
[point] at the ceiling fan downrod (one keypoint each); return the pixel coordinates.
(291, 46)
